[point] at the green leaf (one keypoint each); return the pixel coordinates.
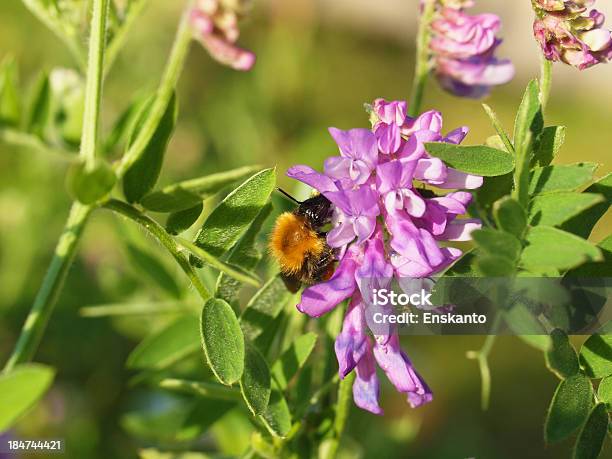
(90, 184)
(290, 362)
(167, 346)
(569, 408)
(464, 267)
(232, 217)
(255, 382)
(510, 216)
(498, 128)
(182, 220)
(596, 356)
(124, 125)
(141, 177)
(223, 267)
(561, 358)
(208, 390)
(277, 417)
(522, 321)
(10, 101)
(604, 391)
(583, 224)
(186, 194)
(150, 266)
(244, 254)
(529, 115)
(473, 159)
(556, 208)
(20, 389)
(492, 189)
(495, 266)
(551, 248)
(39, 107)
(591, 438)
(551, 140)
(498, 243)
(597, 269)
(263, 307)
(567, 177)
(223, 341)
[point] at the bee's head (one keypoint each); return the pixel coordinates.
(317, 210)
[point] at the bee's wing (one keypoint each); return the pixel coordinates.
(293, 283)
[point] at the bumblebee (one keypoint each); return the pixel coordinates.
(299, 245)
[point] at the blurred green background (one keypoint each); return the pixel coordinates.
(313, 71)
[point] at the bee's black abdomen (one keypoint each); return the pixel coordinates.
(317, 211)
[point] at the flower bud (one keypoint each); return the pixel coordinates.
(568, 33)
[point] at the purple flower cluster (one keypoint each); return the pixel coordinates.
(567, 32)
(215, 26)
(463, 47)
(384, 227)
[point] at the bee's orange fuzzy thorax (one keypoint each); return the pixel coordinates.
(292, 240)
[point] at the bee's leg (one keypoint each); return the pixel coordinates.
(320, 268)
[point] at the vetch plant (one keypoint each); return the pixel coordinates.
(401, 195)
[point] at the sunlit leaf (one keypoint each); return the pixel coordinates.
(591, 438)
(228, 222)
(583, 223)
(529, 115)
(497, 243)
(596, 356)
(223, 341)
(550, 248)
(255, 383)
(569, 408)
(556, 208)
(277, 417)
(186, 194)
(604, 391)
(501, 133)
(476, 159)
(551, 140)
(20, 389)
(235, 272)
(565, 177)
(561, 358)
(510, 216)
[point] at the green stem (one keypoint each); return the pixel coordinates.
(69, 39)
(164, 239)
(343, 407)
(120, 36)
(45, 300)
(173, 70)
(93, 86)
(482, 357)
(545, 81)
(422, 64)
